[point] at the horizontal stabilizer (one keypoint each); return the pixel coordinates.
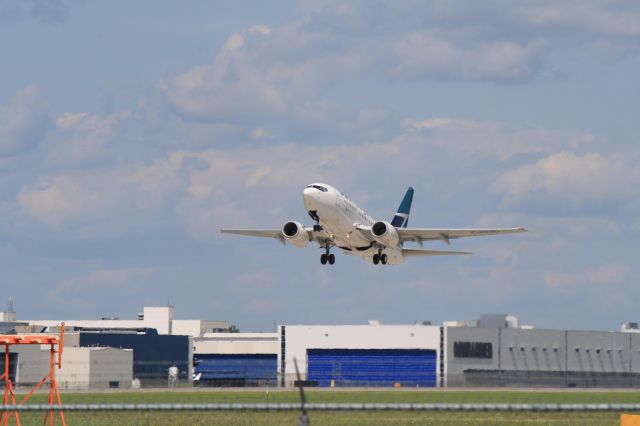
(416, 252)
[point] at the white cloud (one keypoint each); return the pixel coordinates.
(23, 122)
(198, 190)
(607, 274)
(88, 200)
(103, 280)
(604, 18)
(81, 138)
(234, 87)
(492, 139)
(572, 178)
(421, 55)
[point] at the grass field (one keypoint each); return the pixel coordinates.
(341, 418)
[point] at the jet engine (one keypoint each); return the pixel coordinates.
(295, 233)
(385, 233)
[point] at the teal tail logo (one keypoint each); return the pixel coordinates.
(401, 218)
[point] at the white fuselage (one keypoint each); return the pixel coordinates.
(339, 217)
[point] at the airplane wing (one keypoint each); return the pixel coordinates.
(414, 252)
(428, 234)
(268, 233)
(319, 237)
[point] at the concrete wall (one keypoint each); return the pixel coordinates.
(75, 371)
(598, 351)
(187, 327)
(95, 368)
(532, 350)
(635, 352)
(82, 368)
(237, 343)
(33, 364)
(532, 357)
(299, 338)
(454, 367)
(109, 367)
(159, 317)
(197, 328)
(109, 324)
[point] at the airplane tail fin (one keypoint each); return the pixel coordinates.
(401, 218)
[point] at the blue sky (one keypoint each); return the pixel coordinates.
(130, 132)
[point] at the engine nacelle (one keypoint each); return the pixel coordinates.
(295, 233)
(385, 233)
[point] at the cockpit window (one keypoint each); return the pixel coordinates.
(321, 188)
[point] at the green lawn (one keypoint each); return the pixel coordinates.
(340, 418)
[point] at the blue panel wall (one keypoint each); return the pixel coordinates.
(372, 367)
(236, 369)
(153, 354)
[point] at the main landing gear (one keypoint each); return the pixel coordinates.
(380, 257)
(327, 257)
(331, 258)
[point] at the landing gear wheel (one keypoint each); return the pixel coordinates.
(383, 258)
(376, 259)
(323, 259)
(332, 259)
(317, 228)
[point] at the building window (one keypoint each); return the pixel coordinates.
(472, 350)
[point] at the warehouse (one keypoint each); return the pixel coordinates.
(482, 356)
(153, 353)
(360, 355)
(235, 359)
(494, 351)
(82, 368)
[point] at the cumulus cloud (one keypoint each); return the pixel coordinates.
(234, 87)
(605, 18)
(493, 139)
(276, 79)
(423, 55)
(103, 280)
(82, 138)
(198, 190)
(23, 122)
(607, 274)
(272, 80)
(571, 177)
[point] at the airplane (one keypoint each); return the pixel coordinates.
(341, 223)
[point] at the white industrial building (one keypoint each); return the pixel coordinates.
(82, 368)
(495, 350)
(367, 351)
(160, 318)
(236, 343)
(492, 351)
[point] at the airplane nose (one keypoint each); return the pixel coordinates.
(310, 197)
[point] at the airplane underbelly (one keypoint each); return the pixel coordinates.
(342, 228)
